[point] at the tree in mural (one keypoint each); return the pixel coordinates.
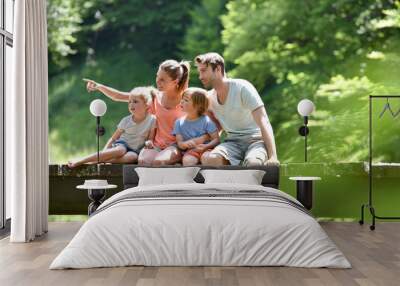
(333, 52)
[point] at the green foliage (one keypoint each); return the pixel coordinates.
(153, 28)
(63, 23)
(72, 127)
(335, 53)
(286, 38)
(391, 19)
(325, 51)
(204, 33)
(116, 42)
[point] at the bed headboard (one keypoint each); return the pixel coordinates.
(270, 179)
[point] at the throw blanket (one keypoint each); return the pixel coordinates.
(267, 194)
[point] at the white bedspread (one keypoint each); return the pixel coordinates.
(183, 231)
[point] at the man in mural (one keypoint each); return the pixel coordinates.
(238, 107)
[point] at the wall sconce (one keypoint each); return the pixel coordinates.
(98, 108)
(305, 108)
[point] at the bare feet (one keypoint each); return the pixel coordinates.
(72, 164)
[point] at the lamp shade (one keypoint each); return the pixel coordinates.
(98, 107)
(305, 107)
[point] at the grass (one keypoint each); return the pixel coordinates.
(71, 218)
(67, 218)
(336, 219)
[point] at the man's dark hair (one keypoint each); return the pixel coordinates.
(212, 59)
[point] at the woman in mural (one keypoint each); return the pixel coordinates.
(172, 79)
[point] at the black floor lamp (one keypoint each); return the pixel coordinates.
(305, 108)
(98, 108)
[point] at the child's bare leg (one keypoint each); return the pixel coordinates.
(147, 156)
(128, 157)
(168, 156)
(105, 155)
(189, 160)
(209, 159)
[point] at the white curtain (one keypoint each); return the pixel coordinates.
(27, 124)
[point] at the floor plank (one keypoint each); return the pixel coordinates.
(374, 255)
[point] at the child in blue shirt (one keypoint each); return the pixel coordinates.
(194, 124)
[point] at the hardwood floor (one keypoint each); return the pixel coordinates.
(375, 257)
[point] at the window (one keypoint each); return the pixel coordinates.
(9, 13)
(6, 60)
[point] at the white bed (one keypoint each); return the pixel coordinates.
(221, 225)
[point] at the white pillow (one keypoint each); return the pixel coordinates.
(249, 177)
(166, 176)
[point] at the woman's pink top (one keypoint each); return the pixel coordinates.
(165, 119)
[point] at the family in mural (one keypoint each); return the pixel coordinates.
(176, 123)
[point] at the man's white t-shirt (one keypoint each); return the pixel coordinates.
(235, 115)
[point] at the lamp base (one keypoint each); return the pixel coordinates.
(96, 196)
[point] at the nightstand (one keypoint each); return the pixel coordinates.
(304, 190)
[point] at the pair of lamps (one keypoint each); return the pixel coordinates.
(305, 108)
